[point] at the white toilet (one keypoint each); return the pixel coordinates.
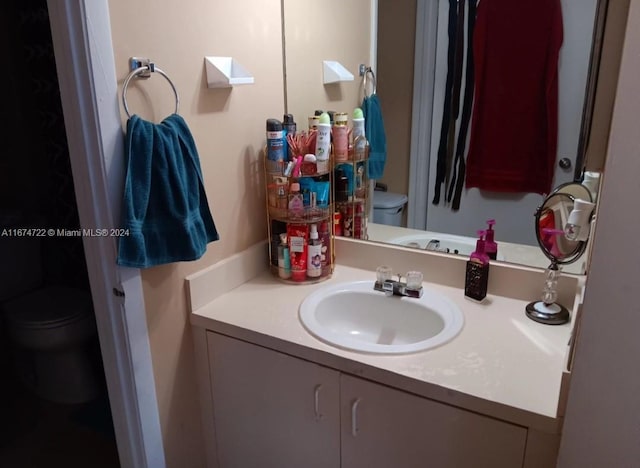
(388, 207)
(50, 327)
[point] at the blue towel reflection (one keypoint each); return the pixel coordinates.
(374, 130)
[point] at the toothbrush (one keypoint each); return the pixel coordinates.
(296, 168)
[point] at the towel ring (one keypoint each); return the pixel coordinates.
(369, 71)
(146, 68)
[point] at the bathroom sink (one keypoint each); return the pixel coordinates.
(355, 317)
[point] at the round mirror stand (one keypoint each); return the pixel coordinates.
(550, 220)
(547, 311)
(553, 314)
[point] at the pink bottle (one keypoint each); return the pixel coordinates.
(480, 255)
(490, 246)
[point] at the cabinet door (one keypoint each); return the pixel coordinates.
(383, 427)
(272, 410)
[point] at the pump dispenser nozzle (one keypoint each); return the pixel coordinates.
(479, 255)
(490, 246)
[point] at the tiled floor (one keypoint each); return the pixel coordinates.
(38, 434)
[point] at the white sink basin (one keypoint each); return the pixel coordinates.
(354, 316)
(448, 244)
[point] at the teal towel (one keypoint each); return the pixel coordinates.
(374, 130)
(165, 209)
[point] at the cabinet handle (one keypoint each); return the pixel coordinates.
(316, 402)
(354, 417)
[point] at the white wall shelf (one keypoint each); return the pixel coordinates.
(334, 72)
(225, 72)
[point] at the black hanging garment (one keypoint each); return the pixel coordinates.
(450, 154)
(459, 168)
(441, 166)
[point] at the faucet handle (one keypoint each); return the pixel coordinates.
(399, 278)
(383, 273)
(414, 279)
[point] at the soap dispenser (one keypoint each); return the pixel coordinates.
(490, 246)
(477, 273)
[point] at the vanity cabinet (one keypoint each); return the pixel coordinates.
(383, 427)
(274, 410)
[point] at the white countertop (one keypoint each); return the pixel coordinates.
(521, 254)
(501, 363)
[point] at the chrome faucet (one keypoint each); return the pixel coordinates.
(412, 287)
(434, 244)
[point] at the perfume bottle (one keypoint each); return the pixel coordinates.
(296, 201)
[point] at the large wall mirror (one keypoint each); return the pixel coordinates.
(410, 83)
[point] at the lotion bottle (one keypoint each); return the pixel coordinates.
(477, 273)
(297, 237)
(284, 261)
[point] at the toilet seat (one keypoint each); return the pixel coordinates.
(50, 307)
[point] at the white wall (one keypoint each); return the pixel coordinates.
(315, 32)
(602, 426)
(228, 125)
(396, 42)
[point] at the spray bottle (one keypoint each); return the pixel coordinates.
(358, 133)
(314, 252)
(288, 127)
(275, 141)
(323, 142)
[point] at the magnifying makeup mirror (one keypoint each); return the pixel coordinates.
(563, 225)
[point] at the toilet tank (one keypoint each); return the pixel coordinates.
(20, 255)
(388, 207)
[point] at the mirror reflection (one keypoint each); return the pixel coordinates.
(551, 220)
(411, 85)
(563, 223)
(563, 227)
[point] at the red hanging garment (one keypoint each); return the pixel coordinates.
(515, 117)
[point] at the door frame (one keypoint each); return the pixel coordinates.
(83, 49)
(422, 112)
